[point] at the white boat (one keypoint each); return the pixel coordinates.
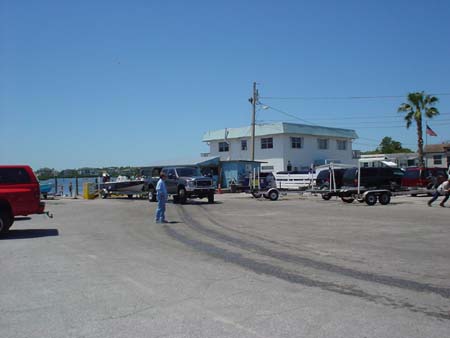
(295, 180)
(122, 185)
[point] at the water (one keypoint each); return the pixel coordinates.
(63, 185)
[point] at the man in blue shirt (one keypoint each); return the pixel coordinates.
(161, 194)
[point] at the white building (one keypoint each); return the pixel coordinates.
(284, 146)
(437, 155)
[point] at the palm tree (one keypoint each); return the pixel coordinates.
(417, 105)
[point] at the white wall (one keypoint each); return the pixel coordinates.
(282, 151)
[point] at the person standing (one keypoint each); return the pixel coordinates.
(443, 189)
(161, 194)
(70, 189)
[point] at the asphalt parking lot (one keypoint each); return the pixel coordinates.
(296, 267)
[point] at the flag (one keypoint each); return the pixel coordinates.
(430, 131)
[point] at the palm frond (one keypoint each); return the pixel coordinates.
(403, 108)
(431, 112)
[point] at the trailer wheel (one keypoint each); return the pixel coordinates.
(256, 194)
(347, 199)
(152, 194)
(384, 198)
(273, 195)
(370, 199)
(326, 196)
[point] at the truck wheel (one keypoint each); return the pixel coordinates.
(211, 197)
(326, 196)
(130, 196)
(347, 199)
(182, 195)
(104, 193)
(370, 199)
(151, 194)
(6, 220)
(273, 195)
(384, 198)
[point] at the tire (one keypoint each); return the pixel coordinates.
(326, 197)
(273, 195)
(384, 198)
(6, 220)
(182, 195)
(44, 195)
(130, 196)
(370, 199)
(256, 194)
(151, 194)
(176, 199)
(211, 197)
(347, 199)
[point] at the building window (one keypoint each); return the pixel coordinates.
(341, 144)
(297, 142)
(437, 159)
(243, 144)
(223, 147)
(267, 167)
(322, 143)
(267, 143)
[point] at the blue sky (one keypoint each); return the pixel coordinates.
(103, 83)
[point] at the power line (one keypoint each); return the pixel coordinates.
(398, 118)
(287, 114)
(341, 97)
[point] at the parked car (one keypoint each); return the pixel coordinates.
(374, 178)
(183, 183)
(323, 178)
(416, 177)
(19, 194)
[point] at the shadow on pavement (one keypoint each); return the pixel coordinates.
(29, 233)
(18, 219)
(196, 202)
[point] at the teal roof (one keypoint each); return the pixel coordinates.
(280, 128)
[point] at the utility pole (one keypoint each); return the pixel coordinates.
(253, 100)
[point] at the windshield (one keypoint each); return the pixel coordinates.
(188, 172)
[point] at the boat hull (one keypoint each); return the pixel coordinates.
(123, 187)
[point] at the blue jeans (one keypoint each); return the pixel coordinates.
(161, 210)
(436, 195)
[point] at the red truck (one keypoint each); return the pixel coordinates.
(19, 194)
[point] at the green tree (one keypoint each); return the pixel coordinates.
(390, 146)
(46, 173)
(419, 104)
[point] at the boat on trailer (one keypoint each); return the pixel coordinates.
(122, 186)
